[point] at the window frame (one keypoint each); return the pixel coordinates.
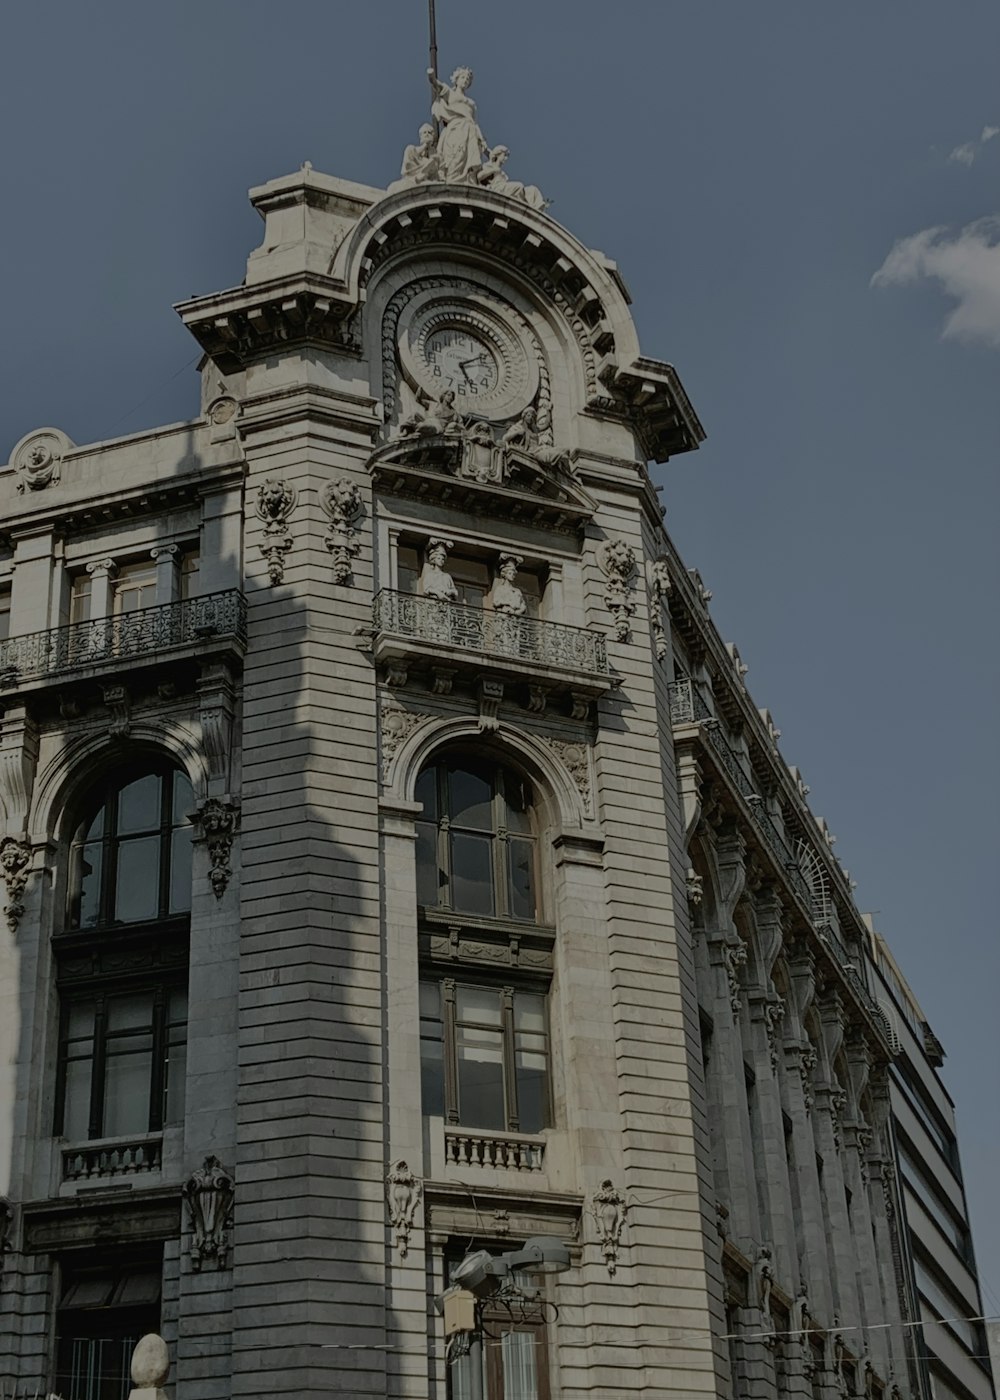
(443, 826)
(111, 841)
(451, 1025)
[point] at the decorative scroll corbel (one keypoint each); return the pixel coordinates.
(734, 956)
(659, 590)
(275, 503)
(402, 1190)
(342, 502)
(609, 1208)
(617, 559)
(774, 1014)
(219, 821)
(117, 699)
(18, 761)
(15, 858)
(490, 695)
(216, 705)
(209, 1193)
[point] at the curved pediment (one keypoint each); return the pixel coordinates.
(473, 473)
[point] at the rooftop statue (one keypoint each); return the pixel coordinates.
(461, 145)
(454, 151)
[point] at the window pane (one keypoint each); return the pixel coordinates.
(407, 569)
(522, 879)
(480, 1078)
(137, 891)
(426, 793)
(471, 873)
(139, 805)
(76, 1101)
(130, 1013)
(126, 1088)
(174, 1075)
(517, 799)
(180, 870)
(479, 1004)
(429, 875)
(470, 799)
(88, 882)
(183, 799)
(520, 1372)
(531, 1062)
(431, 1050)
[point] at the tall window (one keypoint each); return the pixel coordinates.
(122, 959)
(476, 846)
(508, 1360)
(472, 577)
(484, 1056)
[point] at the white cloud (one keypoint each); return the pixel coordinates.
(967, 265)
(966, 153)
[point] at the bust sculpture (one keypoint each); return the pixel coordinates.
(505, 595)
(435, 581)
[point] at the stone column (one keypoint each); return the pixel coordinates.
(102, 572)
(168, 572)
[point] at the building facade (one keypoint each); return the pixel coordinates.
(397, 865)
(954, 1346)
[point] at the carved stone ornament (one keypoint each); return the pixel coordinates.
(219, 821)
(609, 1208)
(576, 758)
(695, 887)
(505, 595)
(395, 728)
(525, 447)
(454, 151)
(762, 1284)
(617, 559)
(342, 502)
(37, 459)
(774, 1014)
(734, 956)
(402, 1190)
(150, 1366)
(275, 503)
(838, 1102)
(490, 696)
(15, 858)
(209, 1193)
(119, 703)
(807, 1063)
(659, 589)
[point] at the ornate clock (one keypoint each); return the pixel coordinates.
(467, 346)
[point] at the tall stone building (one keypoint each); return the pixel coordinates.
(397, 867)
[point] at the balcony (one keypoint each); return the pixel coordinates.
(451, 639)
(189, 627)
(112, 1159)
(508, 1152)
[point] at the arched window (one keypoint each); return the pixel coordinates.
(130, 860)
(484, 981)
(476, 846)
(122, 960)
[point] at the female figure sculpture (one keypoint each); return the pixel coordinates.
(493, 176)
(461, 144)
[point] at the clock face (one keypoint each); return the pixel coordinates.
(459, 360)
(470, 348)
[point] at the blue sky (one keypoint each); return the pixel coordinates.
(751, 168)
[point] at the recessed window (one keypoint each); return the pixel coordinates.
(134, 587)
(102, 1312)
(123, 1059)
(476, 845)
(4, 613)
(484, 1055)
(130, 860)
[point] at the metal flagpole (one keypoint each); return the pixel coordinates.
(432, 22)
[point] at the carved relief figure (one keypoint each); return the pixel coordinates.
(523, 433)
(440, 417)
(609, 1208)
(435, 581)
(209, 1194)
(420, 162)
(402, 1191)
(505, 595)
(763, 1273)
(461, 144)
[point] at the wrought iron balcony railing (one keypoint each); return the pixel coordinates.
(490, 634)
(146, 633)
